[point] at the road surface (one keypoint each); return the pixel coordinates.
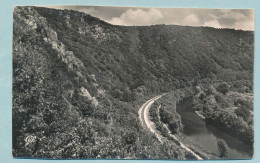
(147, 123)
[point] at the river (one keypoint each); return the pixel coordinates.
(207, 135)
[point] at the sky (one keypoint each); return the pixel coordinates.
(129, 16)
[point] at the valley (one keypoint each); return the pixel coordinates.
(87, 89)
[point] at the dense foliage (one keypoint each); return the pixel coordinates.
(77, 81)
(223, 88)
(170, 117)
(54, 111)
(158, 57)
(230, 111)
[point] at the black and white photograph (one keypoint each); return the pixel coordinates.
(103, 82)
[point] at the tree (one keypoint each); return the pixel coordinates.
(127, 95)
(222, 148)
(117, 94)
(130, 137)
(210, 90)
(223, 88)
(221, 100)
(243, 112)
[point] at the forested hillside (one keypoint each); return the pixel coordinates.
(78, 81)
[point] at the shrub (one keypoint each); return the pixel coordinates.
(223, 88)
(173, 120)
(221, 100)
(243, 112)
(130, 137)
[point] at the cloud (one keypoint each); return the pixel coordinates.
(191, 20)
(211, 17)
(238, 19)
(233, 15)
(90, 11)
(245, 25)
(129, 16)
(212, 23)
(138, 17)
(217, 18)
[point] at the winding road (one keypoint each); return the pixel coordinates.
(144, 117)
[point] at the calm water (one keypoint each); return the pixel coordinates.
(207, 135)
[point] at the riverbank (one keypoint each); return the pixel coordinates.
(175, 135)
(209, 149)
(231, 112)
(198, 147)
(207, 135)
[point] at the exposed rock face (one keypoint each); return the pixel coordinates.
(35, 21)
(98, 33)
(90, 98)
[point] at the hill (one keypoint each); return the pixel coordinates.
(78, 81)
